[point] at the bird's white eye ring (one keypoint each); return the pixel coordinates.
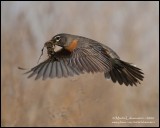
(57, 38)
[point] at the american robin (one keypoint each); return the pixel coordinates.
(79, 55)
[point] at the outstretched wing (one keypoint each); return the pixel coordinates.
(53, 68)
(64, 63)
(90, 59)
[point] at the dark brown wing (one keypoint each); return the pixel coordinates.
(64, 63)
(90, 59)
(53, 68)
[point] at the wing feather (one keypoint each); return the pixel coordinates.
(64, 64)
(41, 71)
(47, 70)
(53, 70)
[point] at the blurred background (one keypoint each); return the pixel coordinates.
(129, 28)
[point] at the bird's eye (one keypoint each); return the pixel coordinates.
(57, 38)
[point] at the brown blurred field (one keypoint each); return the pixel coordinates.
(130, 28)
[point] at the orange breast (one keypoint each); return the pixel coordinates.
(72, 46)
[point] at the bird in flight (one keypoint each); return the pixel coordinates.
(79, 55)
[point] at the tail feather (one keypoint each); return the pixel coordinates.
(123, 72)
